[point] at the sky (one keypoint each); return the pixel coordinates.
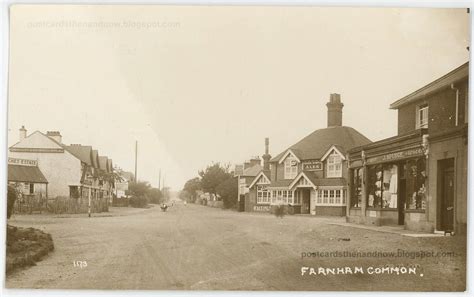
(201, 84)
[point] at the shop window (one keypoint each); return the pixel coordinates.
(422, 116)
(383, 186)
(416, 184)
(356, 198)
(334, 165)
(291, 167)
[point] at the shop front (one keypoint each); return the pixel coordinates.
(388, 183)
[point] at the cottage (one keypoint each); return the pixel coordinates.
(419, 177)
(309, 177)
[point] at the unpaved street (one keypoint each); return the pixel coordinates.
(197, 247)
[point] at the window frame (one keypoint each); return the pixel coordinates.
(333, 161)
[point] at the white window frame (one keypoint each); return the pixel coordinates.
(331, 197)
(422, 116)
(263, 195)
(334, 165)
(290, 167)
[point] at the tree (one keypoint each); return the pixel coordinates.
(228, 192)
(191, 187)
(138, 189)
(213, 176)
(185, 196)
(155, 196)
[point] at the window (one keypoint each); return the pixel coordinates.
(334, 197)
(291, 167)
(415, 184)
(334, 165)
(356, 198)
(383, 186)
(290, 197)
(263, 195)
(422, 116)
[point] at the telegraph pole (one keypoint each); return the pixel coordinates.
(159, 181)
(136, 155)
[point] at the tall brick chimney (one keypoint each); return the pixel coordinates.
(266, 157)
(335, 110)
(22, 133)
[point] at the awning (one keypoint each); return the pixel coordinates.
(26, 174)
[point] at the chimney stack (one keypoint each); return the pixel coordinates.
(335, 110)
(22, 133)
(54, 135)
(266, 158)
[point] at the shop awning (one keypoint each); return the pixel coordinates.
(27, 174)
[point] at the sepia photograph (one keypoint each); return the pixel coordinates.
(236, 148)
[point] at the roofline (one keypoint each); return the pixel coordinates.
(453, 76)
(257, 177)
(297, 178)
(289, 151)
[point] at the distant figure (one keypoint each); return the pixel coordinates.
(172, 203)
(164, 207)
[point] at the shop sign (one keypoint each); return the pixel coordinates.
(396, 156)
(261, 208)
(24, 162)
(312, 165)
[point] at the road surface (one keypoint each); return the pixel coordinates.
(196, 247)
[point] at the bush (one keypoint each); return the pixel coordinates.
(138, 201)
(12, 195)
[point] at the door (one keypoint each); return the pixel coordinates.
(242, 203)
(447, 199)
(305, 201)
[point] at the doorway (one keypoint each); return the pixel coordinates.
(305, 201)
(445, 191)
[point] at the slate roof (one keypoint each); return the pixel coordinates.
(325, 181)
(95, 161)
(316, 144)
(30, 174)
(103, 163)
(252, 171)
(82, 152)
(282, 183)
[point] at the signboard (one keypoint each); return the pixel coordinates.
(261, 208)
(396, 156)
(312, 165)
(24, 162)
(121, 186)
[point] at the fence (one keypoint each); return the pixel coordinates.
(59, 205)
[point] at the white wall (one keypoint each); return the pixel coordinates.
(60, 169)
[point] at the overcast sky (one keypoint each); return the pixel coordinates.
(200, 84)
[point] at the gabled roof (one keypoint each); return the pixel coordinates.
(445, 81)
(28, 174)
(95, 159)
(37, 141)
(103, 163)
(82, 152)
(337, 149)
(316, 144)
(285, 155)
(252, 171)
(265, 173)
(315, 182)
(110, 167)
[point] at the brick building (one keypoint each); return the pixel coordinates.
(419, 177)
(309, 177)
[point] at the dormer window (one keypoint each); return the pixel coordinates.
(291, 167)
(422, 116)
(334, 165)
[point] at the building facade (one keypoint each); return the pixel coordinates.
(71, 170)
(310, 177)
(419, 177)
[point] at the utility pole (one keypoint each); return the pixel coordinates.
(159, 181)
(136, 155)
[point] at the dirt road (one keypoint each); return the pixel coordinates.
(197, 247)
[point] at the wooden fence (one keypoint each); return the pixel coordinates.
(60, 205)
